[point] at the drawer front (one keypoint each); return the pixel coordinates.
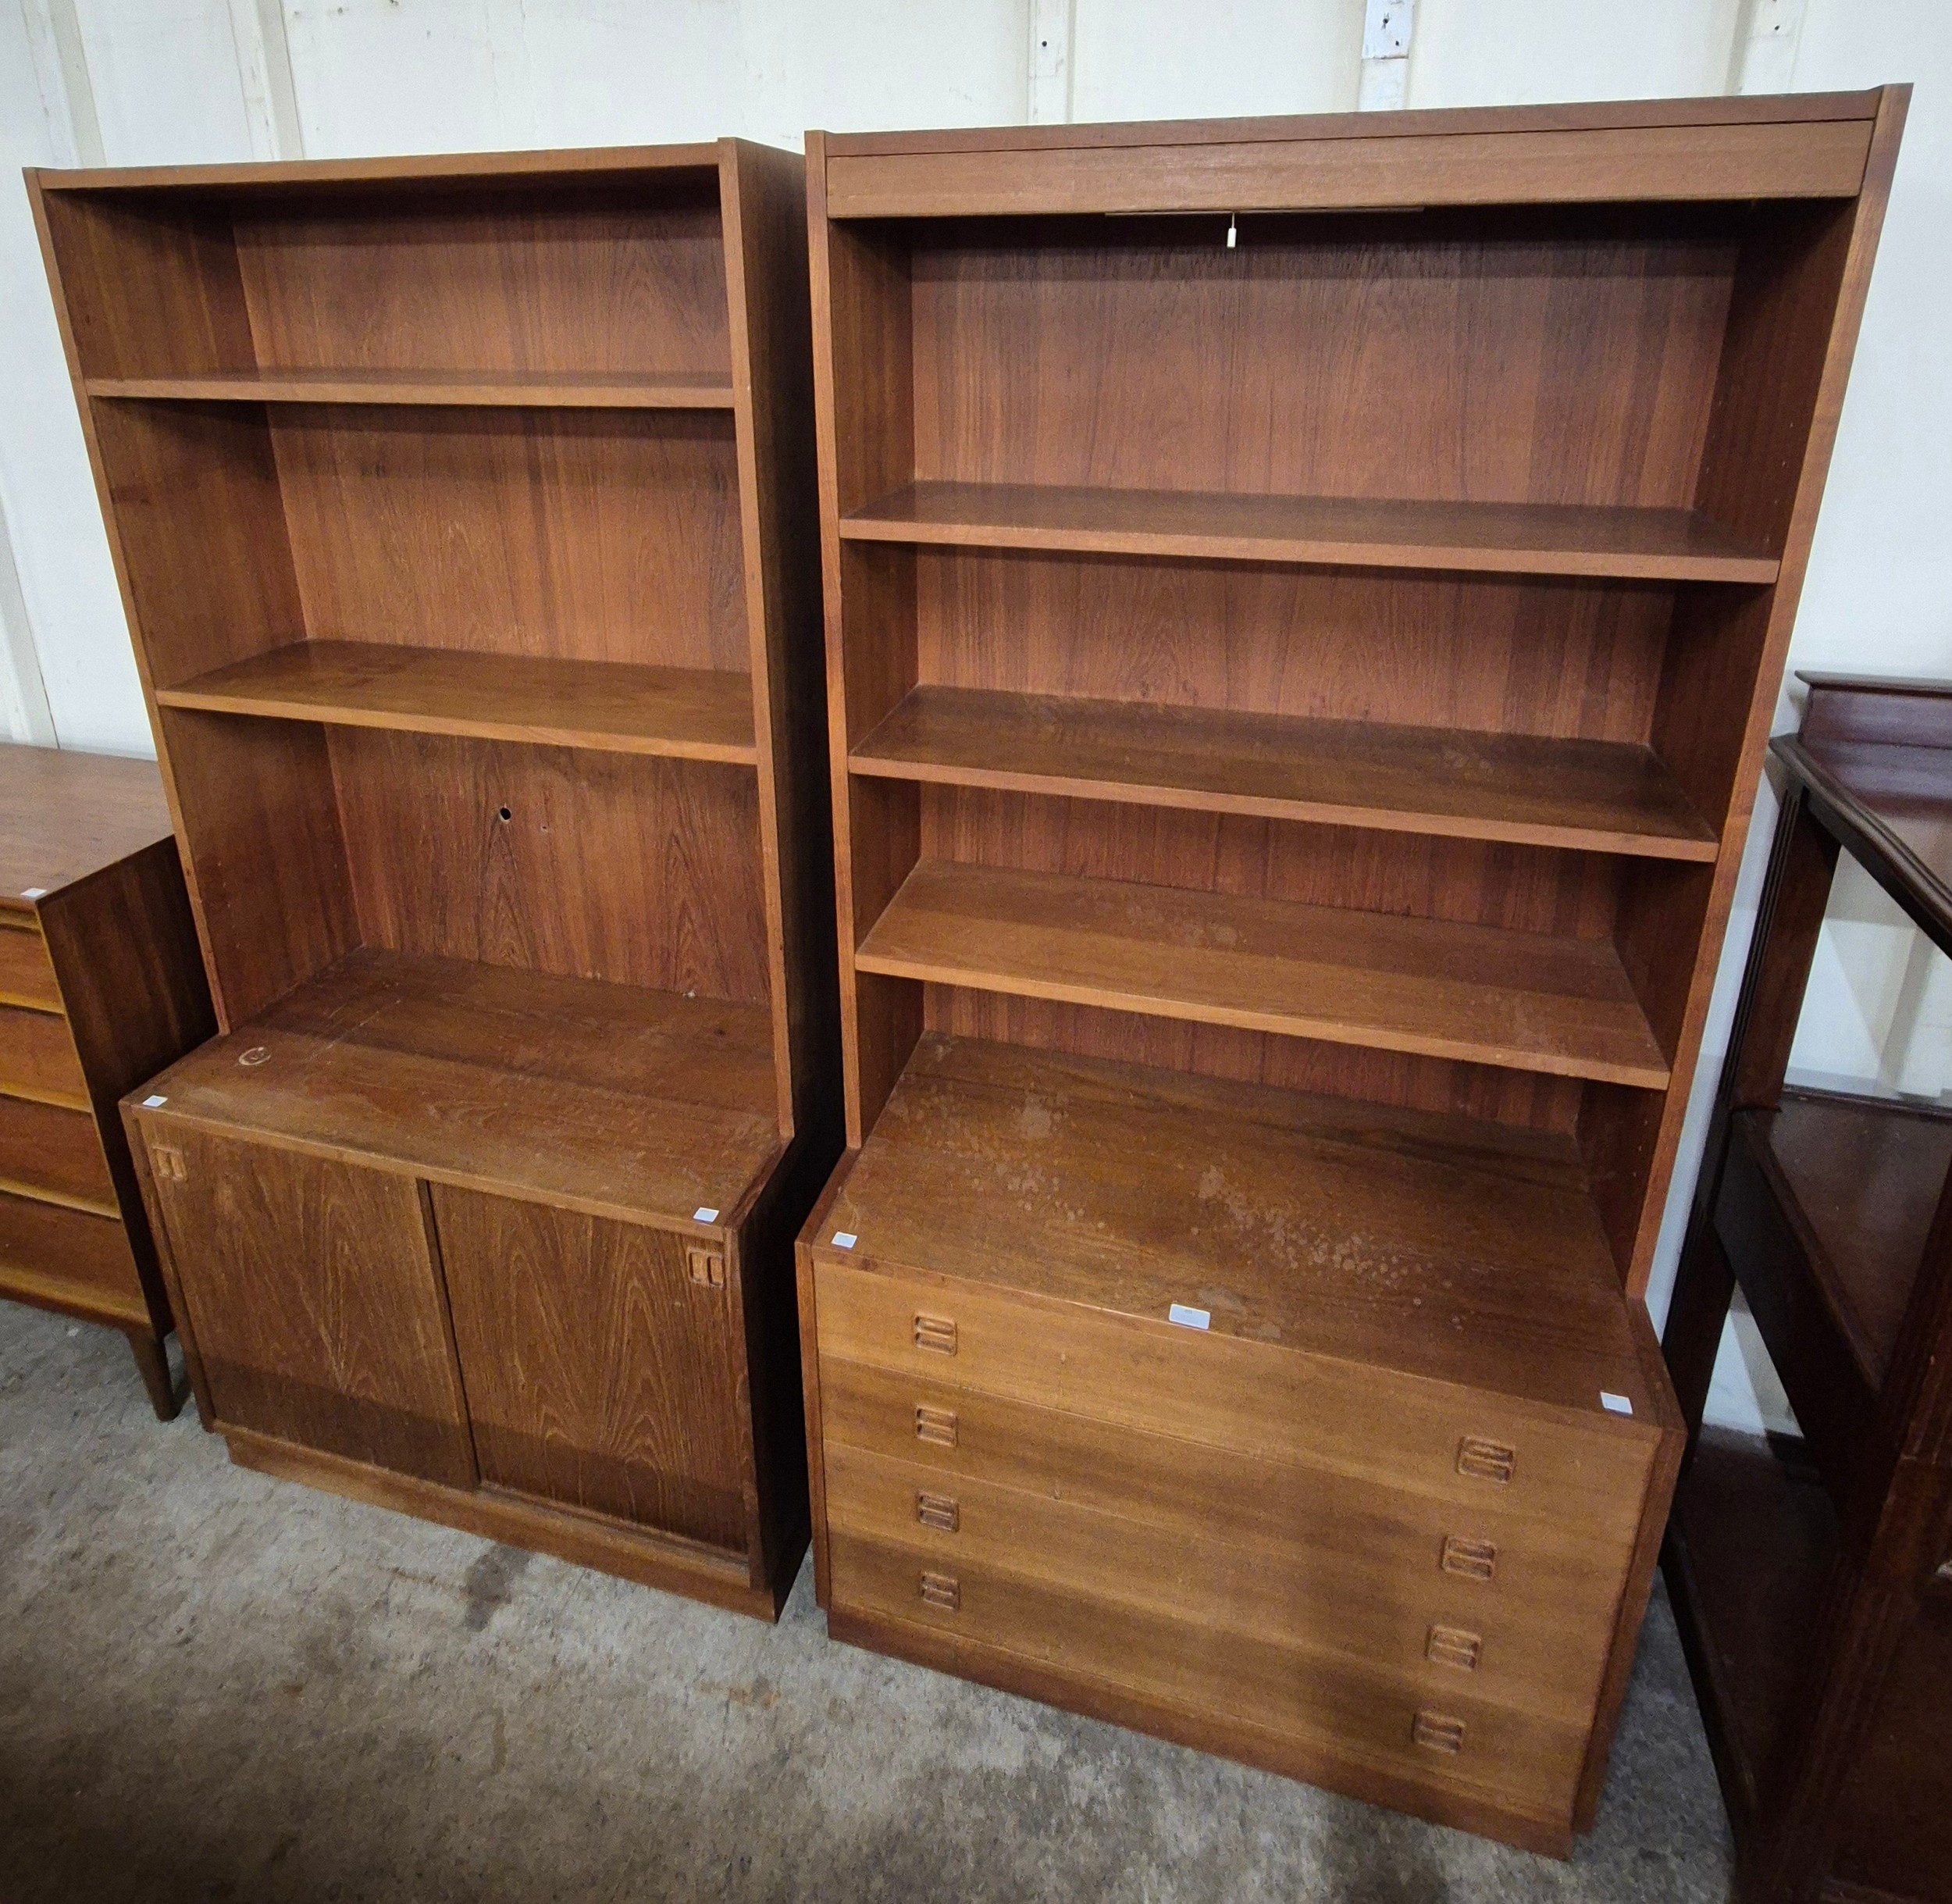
(37, 1059)
(1495, 1628)
(1446, 1740)
(50, 1149)
(26, 977)
(1252, 1398)
(48, 1253)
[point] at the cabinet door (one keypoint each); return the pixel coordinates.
(314, 1300)
(599, 1374)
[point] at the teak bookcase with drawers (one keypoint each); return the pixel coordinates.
(1295, 700)
(465, 514)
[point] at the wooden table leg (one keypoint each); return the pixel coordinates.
(153, 1364)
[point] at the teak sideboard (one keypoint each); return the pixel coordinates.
(1305, 601)
(464, 511)
(102, 984)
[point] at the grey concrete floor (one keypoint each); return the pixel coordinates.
(217, 1686)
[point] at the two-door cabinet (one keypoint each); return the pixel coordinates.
(100, 985)
(464, 511)
(1304, 599)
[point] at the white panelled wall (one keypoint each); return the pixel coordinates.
(124, 82)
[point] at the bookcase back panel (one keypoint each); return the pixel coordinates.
(1519, 889)
(582, 535)
(1490, 654)
(1491, 356)
(528, 281)
(1397, 1078)
(591, 865)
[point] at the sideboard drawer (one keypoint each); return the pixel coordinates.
(49, 1149)
(1254, 1398)
(26, 976)
(37, 1059)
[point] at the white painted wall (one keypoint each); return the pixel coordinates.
(154, 81)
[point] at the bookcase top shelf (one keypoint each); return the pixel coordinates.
(1591, 795)
(615, 707)
(1512, 538)
(535, 390)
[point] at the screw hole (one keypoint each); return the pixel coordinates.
(506, 814)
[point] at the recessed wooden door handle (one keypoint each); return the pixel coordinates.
(706, 1267)
(1486, 1461)
(937, 1425)
(167, 1162)
(935, 1332)
(1451, 1645)
(942, 1590)
(938, 1511)
(1437, 1731)
(1471, 1559)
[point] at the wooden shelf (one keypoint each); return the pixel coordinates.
(1588, 795)
(1442, 1246)
(1522, 999)
(1516, 538)
(1863, 1177)
(1474, 993)
(605, 1099)
(614, 707)
(568, 389)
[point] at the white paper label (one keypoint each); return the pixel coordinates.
(1188, 1317)
(1615, 1404)
(701, 1214)
(845, 1239)
(153, 1104)
(33, 892)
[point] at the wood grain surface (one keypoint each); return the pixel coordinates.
(1512, 538)
(615, 707)
(25, 976)
(1444, 1247)
(1594, 796)
(1434, 987)
(67, 816)
(608, 1099)
(581, 864)
(315, 1297)
(70, 1261)
(580, 534)
(37, 1059)
(55, 1155)
(568, 389)
(598, 1374)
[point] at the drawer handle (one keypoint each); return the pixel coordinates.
(1486, 1461)
(936, 1425)
(1437, 1731)
(941, 1590)
(935, 1332)
(167, 1162)
(938, 1511)
(706, 1267)
(1473, 1560)
(1451, 1645)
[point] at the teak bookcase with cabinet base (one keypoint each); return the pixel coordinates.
(1295, 700)
(465, 514)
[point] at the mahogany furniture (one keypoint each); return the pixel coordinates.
(1304, 602)
(100, 985)
(1812, 1581)
(464, 510)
